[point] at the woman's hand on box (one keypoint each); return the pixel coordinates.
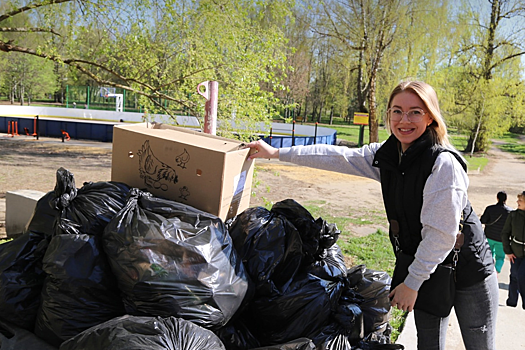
(262, 150)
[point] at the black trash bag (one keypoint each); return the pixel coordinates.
(269, 247)
(16, 338)
(87, 209)
(330, 265)
(374, 345)
(145, 333)
(48, 208)
(381, 335)
(339, 335)
(374, 286)
(95, 204)
(305, 307)
(171, 259)
(236, 335)
(347, 329)
(79, 292)
(21, 278)
(21, 274)
(298, 344)
(316, 235)
(337, 340)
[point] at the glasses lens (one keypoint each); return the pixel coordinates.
(415, 115)
(396, 114)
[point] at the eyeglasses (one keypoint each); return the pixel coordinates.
(414, 115)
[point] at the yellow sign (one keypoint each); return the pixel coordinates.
(360, 118)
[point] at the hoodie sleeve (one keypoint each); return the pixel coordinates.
(352, 161)
(444, 197)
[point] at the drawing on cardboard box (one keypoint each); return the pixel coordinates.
(184, 192)
(155, 173)
(182, 159)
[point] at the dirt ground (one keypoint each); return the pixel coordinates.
(26, 163)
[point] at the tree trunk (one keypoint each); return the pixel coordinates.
(12, 94)
(372, 121)
(314, 111)
(298, 113)
(331, 115)
(21, 95)
(305, 115)
(320, 112)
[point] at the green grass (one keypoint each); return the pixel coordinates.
(4, 240)
(350, 133)
(476, 163)
(459, 141)
(512, 143)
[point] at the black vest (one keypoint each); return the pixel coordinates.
(402, 186)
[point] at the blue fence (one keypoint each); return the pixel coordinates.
(281, 135)
(80, 130)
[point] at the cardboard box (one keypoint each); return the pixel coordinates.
(207, 172)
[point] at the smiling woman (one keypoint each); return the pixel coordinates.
(419, 171)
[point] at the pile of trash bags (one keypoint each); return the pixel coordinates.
(107, 266)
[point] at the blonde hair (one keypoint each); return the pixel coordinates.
(427, 94)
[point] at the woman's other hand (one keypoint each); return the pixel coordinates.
(403, 298)
(511, 257)
(262, 150)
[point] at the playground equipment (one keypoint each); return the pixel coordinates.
(109, 92)
(12, 128)
(65, 136)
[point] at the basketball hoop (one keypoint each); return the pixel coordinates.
(109, 92)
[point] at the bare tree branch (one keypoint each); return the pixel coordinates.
(31, 7)
(28, 30)
(494, 65)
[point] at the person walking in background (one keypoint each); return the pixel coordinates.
(494, 218)
(513, 239)
(424, 185)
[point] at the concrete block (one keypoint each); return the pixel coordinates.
(20, 206)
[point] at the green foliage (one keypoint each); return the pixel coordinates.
(486, 84)
(309, 56)
(162, 51)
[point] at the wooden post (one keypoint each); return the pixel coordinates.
(293, 133)
(212, 98)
